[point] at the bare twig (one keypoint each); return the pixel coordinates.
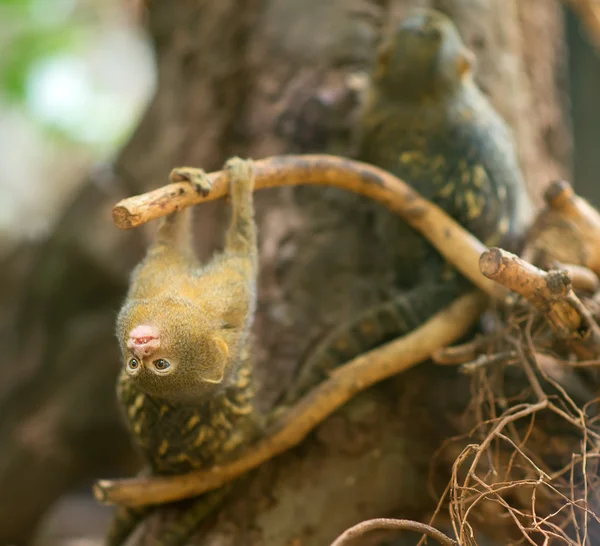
(455, 243)
(459, 354)
(504, 357)
(528, 475)
(551, 293)
(461, 515)
(392, 524)
(443, 328)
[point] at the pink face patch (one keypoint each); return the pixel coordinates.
(144, 333)
(144, 340)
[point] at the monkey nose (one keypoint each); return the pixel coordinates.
(141, 349)
(143, 340)
(145, 331)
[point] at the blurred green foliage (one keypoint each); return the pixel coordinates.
(29, 48)
(58, 69)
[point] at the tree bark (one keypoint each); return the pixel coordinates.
(255, 79)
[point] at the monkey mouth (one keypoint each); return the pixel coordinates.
(142, 340)
(144, 333)
(143, 346)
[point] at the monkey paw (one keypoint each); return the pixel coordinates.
(196, 177)
(241, 172)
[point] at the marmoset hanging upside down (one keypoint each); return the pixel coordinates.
(184, 332)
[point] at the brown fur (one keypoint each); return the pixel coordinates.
(197, 318)
(202, 312)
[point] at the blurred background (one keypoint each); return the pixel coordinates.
(75, 79)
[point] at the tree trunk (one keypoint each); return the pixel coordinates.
(255, 79)
(289, 88)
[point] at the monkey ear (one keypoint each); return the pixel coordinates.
(466, 62)
(384, 56)
(217, 369)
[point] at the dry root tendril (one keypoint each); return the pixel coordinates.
(527, 472)
(531, 476)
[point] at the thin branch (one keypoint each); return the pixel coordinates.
(392, 524)
(459, 354)
(510, 416)
(551, 293)
(360, 373)
(455, 243)
(505, 357)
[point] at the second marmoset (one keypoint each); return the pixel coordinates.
(426, 121)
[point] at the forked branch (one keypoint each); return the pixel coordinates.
(551, 293)
(454, 242)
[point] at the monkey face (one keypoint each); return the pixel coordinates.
(148, 358)
(144, 352)
(425, 54)
(170, 358)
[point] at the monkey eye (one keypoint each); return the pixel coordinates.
(161, 364)
(133, 364)
(435, 33)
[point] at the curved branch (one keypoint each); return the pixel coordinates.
(392, 524)
(455, 243)
(360, 373)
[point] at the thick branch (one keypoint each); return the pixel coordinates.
(360, 373)
(395, 525)
(550, 292)
(455, 243)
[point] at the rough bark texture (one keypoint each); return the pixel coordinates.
(258, 78)
(584, 65)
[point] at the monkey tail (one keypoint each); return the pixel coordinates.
(377, 325)
(179, 532)
(124, 522)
